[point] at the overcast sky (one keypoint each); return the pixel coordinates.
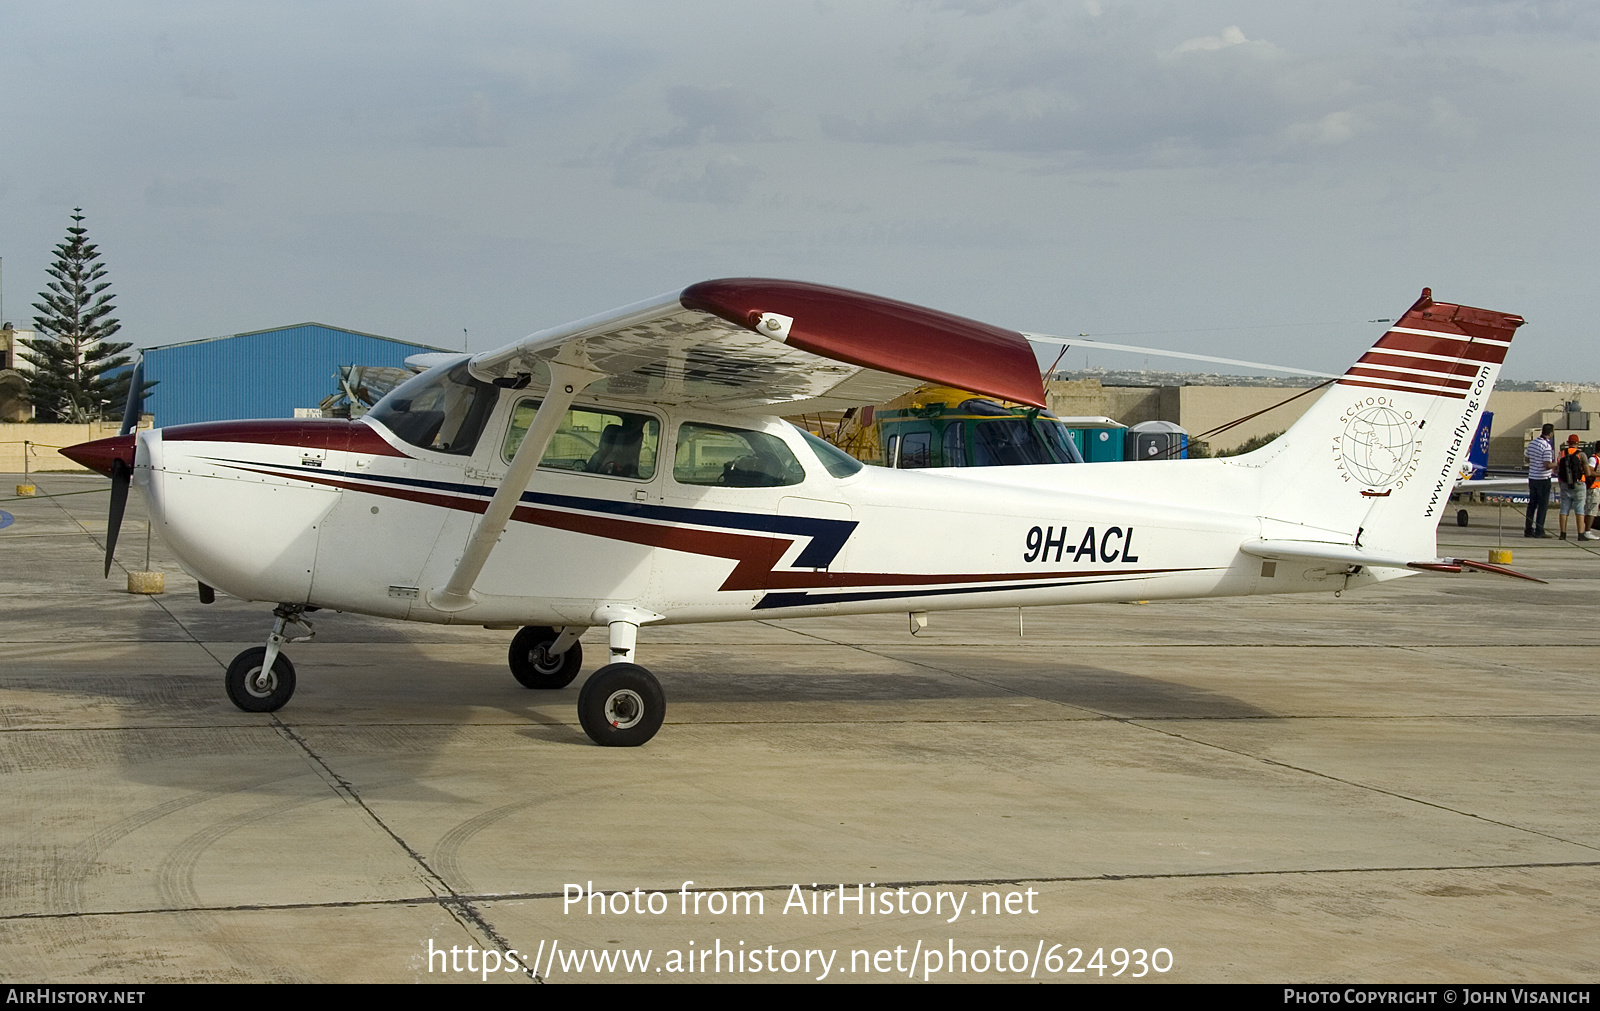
(1201, 174)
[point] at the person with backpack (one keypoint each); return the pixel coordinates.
(1572, 471)
(1591, 512)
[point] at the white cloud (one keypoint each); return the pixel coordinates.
(724, 180)
(1333, 129)
(1231, 36)
(723, 114)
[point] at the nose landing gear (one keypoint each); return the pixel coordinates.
(255, 688)
(261, 679)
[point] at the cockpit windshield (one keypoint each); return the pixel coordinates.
(443, 410)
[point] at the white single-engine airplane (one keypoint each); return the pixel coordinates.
(631, 469)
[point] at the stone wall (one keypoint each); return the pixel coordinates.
(46, 439)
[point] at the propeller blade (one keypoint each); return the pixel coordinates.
(132, 407)
(121, 477)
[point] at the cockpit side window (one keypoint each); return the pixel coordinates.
(442, 410)
(592, 440)
(733, 458)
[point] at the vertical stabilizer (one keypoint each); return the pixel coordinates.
(1478, 460)
(1374, 461)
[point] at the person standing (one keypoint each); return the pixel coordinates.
(1541, 457)
(1572, 470)
(1591, 505)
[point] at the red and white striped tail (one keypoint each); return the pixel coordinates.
(1435, 348)
(1374, 460)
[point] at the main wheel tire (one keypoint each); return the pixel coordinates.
(1462, 518)
(534, 666)
(254, 698)
(621, 705)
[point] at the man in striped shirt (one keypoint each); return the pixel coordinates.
(1541, 457)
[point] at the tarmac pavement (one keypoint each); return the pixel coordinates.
(1391, 785)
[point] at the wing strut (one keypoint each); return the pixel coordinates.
(567, 380)
(1070, 342)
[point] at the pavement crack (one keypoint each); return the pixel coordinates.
(459, 906)
(447, 901)
(1362, 786)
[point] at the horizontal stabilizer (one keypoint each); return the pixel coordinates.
(1499, 569)
(1346, 554)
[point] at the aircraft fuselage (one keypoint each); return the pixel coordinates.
(346, 516)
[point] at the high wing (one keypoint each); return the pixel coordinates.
(739, 344)
(773, 347)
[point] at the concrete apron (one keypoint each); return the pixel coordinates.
(1389, 786)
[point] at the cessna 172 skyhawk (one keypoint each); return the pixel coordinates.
(631, 469)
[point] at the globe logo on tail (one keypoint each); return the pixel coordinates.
(1379, 445)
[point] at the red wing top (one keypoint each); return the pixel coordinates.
(768, 346)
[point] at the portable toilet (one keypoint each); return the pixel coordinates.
(1098, 439)
(1157, 440)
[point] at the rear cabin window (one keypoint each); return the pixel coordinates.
(733, 458)
(592, 440)
(835, 460)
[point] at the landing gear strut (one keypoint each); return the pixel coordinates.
(261, 679)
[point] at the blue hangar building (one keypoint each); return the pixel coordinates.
(261, 374)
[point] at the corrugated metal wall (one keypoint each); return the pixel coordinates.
(265, 374)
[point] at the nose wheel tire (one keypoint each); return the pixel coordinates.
(252, 692)
(621, 706)
(534, 666)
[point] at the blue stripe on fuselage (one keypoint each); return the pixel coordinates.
(827, 536)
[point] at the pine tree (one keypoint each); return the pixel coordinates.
(72, 355)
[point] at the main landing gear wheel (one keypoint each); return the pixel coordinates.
(1461, 517)
(534, 666)
(252, 692)
(621, 705)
